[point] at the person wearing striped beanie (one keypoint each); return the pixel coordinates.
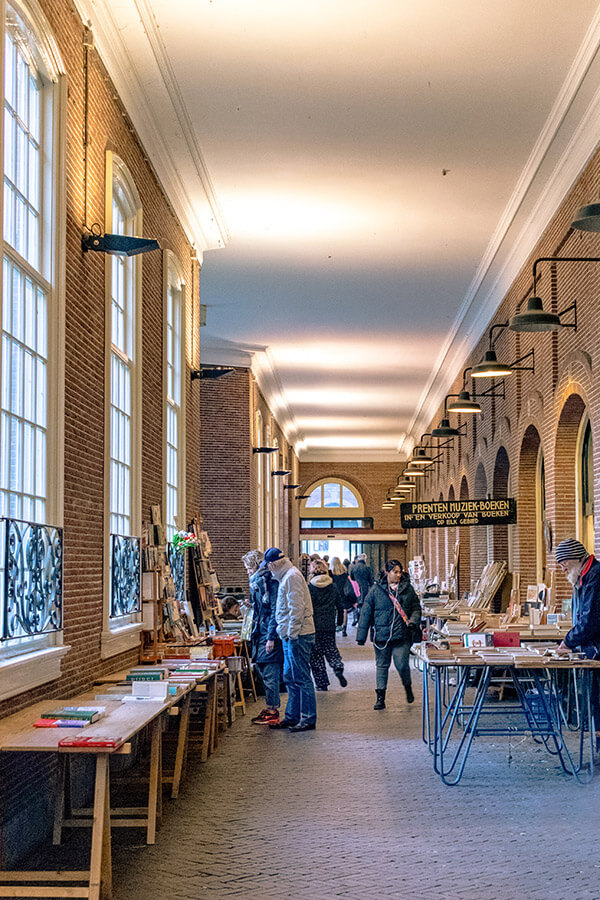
(583, 572)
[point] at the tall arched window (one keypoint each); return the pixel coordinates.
(123, 215)
(585, 485)
(269, 464)
(258, 440)
(275, 493)
(32, 295)
(174, 356)
(540, 516)
(332, 498)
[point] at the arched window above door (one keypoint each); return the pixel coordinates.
(331, 497)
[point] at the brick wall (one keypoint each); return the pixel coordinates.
(85, 568)
(372, 481)
(229, 472)
(541, 409)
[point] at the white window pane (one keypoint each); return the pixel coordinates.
(315, 498)
(332, 494)
(348, 498)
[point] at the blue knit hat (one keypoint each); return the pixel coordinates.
(570, 549)
(273, 554)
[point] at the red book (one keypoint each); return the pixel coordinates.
(91, 741)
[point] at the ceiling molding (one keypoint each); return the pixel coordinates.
(543, 183)
(188, 188)
(326, 454)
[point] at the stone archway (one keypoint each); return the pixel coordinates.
(464, 536)
(526, 507)
(479, 534)
(565, 477)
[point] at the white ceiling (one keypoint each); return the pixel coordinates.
(370, 176)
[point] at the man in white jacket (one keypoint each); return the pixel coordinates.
(296, 628)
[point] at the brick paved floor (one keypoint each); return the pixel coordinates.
(354, 810)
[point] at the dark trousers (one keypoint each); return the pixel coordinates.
(325, 649)
(400, 653)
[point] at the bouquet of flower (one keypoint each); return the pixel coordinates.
(184, 539)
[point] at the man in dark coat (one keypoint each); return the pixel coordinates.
(363, 575)
(267, 652)
(583, 572)
(390, 607)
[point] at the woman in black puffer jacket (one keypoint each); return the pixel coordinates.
(327, 605)
(389, 623)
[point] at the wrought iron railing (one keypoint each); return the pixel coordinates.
(125, 582)
(33, 580)
(177, 562)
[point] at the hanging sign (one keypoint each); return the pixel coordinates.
(453, 513)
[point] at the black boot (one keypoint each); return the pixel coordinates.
(339, 674)
(409, 693)
(380, 698)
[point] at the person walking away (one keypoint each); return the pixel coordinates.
(342, 583)
(582, 570)
(327, 605)
(390, 607)
(267, 652)
(363, 575)
(296, 628)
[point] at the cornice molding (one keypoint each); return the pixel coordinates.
(543, 184)
(190, 192)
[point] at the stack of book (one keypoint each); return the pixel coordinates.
(70, 717)
(148, 673)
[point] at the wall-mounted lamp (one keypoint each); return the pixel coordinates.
(534, 318)
(387, 504)
(265, 449)
(420, 457)
(587, 218)
(463, 404)
(210, 372)
(405, 484)
(445, 430)
(116, 244)
(281, 472)
(489, 367)
(413, 471)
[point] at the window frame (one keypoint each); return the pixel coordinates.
(327, 512)
(173, 270)
(122, 634)
(33, 661)
(585, 522)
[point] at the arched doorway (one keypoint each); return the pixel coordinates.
(530, 561)
(464, 536)
(479, 534)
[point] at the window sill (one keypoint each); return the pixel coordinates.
(22, 673)
(121, 639)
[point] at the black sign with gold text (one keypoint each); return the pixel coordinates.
(451, 513)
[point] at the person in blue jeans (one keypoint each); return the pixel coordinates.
(296, 628)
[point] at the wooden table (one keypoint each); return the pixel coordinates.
(123, 720)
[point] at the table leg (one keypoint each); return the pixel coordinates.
(101, 861)
(182, 736)
(207, 731)
(155, 786)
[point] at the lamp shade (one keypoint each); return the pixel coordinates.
(413, 470)
(588, 218)
(445, 430)
(421, 457)
(535, 319)
(489, 367)
(405, 484)
(464, 404)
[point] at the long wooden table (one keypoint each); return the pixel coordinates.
(17, 734)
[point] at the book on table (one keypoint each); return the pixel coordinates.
(91, 741)
(85, 713)
(61, 723)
